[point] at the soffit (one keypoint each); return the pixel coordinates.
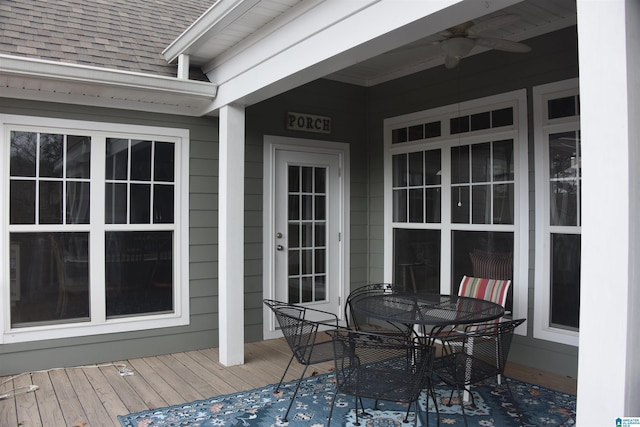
(230, 29)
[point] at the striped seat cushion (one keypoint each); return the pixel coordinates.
(494, 290)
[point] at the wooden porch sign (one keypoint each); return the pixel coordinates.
(308, 123)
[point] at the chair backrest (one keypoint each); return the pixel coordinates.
(483, 352)
(299, 332)
(494, 290)
(380, 366)
(353, 320)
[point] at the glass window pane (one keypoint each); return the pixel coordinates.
(562, 107)
(163, 162)
(400, 205)
(432, 130)
(321, 180)
(564, 203)
(140, 204)
(117, 162)
(460, 205)
(51, 160)
(416, 205)
(140, 160)
(416, 259)
(51, 278)
(50, 211)
(460, 164)
(320, 287)
(503, 160)
(487, 254)
(78, 197)
(23, 153)
(503, 204)
(399, 170)
(433, 168)
(459, 125)
(416, 168)
(481, 162)
(565, 280)
(162, 204)
(481, 121)
(78, 157)
(294, 290)
(416, 132)
(139, 272)
(502, 117)
(22, 202)
(307, 261)
(433, 205)
(116, 203)
(294, 235)
(481, 198)
(563, 155)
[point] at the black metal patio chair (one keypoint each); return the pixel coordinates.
(358, 322)
(478, 353)
(301, 335)
(380, 367)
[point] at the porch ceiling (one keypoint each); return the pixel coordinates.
(227, 29)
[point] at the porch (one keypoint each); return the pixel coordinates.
(95, 396)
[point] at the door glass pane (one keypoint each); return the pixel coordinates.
(416, 259)
(307, 238)
(565, 280)
(50, 278)
(139, 272)
(486, 254)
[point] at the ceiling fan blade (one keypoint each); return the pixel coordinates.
(502, 44)
(493, 24)
(451, 62)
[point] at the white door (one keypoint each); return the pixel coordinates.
(307, 226)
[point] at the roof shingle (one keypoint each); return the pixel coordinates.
(127, 35)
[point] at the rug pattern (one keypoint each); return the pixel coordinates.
(262, 407)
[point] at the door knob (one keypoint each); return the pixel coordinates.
(279, 235)
(279, 247)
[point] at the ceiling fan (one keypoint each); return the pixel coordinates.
(457, 42)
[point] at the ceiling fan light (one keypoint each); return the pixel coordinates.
(457, 47)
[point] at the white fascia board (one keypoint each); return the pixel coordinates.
(212, 22)
(28, 78)
(329, 37)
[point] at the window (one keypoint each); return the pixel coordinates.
(97, 228)
(558, 207)
(458, 198)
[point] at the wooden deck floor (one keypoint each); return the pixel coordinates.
(94, 396)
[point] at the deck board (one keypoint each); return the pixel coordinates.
(95, 396)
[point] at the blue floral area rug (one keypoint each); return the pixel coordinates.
(264, 408)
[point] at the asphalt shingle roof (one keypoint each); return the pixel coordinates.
(127, 35)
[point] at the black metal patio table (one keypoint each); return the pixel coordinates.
(430, 312)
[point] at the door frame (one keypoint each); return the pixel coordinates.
(271, 145)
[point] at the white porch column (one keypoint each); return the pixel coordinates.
(608, 364)
(231, 236)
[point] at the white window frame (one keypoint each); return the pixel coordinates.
(518, 132)
(543, 128)
(98, 324)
